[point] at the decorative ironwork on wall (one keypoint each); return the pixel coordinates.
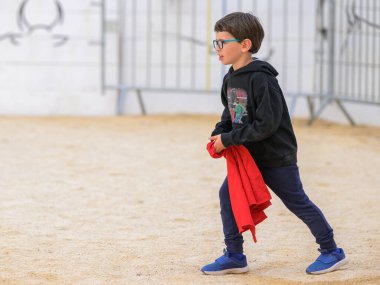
(28, 27)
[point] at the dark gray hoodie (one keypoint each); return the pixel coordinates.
(256, 115)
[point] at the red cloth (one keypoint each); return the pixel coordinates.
(248, 193)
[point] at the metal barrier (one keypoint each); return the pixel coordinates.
(165, 45)
(348, 61)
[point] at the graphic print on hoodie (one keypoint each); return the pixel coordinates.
(237, 104)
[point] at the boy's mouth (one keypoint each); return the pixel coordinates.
(220, 57)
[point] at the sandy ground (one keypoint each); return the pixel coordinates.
(134, 200)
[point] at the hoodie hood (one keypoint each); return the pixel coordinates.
(255, 66)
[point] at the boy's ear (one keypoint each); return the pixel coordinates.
(246, 45)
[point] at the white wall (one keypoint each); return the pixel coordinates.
(39, 78)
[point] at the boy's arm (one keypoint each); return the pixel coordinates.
(269, 109)
(225, 124)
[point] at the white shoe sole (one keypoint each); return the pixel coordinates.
(332, 268)
(228, 271)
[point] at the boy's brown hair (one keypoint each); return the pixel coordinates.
(242, 26)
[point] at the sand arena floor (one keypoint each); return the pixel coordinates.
(134, 200)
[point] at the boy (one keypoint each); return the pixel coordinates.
(265, 129)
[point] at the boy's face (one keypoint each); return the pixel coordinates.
(232, 52)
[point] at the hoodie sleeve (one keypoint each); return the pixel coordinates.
(269, 108)
(225, 124)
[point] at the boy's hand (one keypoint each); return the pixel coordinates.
(218, 145)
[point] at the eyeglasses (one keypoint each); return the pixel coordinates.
(219, 43)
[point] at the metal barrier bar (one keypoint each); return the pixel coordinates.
(376, 19)
(149, 42)
(178, 58)
(163, 47)
(121, 53)
(133, 42)
(285, 49)
(208, 46)
(193, 30)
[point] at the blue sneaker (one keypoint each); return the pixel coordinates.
(328, 261)
(227, 263)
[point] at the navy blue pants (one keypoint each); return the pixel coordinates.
(285, 182)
